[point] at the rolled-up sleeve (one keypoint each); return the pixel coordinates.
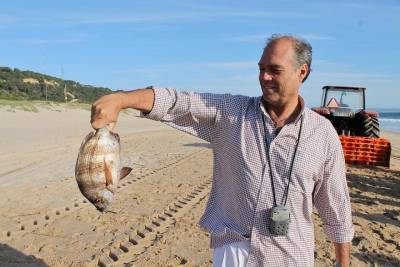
(331, 196)
(164, 100)
(194, 113)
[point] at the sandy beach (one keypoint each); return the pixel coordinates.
(45, 221)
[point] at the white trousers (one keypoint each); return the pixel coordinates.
(232, 255)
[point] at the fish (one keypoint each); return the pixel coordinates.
(98, 167)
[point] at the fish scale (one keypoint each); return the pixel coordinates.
(97, 169)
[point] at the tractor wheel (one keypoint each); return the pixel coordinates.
(371, 127)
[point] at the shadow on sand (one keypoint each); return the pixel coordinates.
(12, 258)
(384, 183)
(384, 187)
(376, 259)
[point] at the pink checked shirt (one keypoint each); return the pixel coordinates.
(241, 195)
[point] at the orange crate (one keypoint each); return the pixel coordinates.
(365, 150)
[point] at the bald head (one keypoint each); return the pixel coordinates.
(301, 49)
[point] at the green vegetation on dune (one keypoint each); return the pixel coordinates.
(27, 85)
(34, 105)
(18, 105)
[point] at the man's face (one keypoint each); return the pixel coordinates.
(279, 77)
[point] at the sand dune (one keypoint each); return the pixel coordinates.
(45, 221)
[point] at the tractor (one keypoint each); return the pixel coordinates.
(358, 129)
(345, 108)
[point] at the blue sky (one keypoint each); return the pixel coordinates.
(205, 46)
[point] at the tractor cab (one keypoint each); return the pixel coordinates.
(343, 101)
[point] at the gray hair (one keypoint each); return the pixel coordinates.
(302, 49)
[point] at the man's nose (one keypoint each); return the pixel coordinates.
(265, 76)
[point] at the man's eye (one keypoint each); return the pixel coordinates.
(270, 71)
(274, 71)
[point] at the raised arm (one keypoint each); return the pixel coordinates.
(106, 109)
(198, 114)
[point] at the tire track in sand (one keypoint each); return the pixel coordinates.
(37, 221)
(129, 247)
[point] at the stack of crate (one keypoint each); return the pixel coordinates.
(366, 151)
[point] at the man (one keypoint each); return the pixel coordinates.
(274, 159)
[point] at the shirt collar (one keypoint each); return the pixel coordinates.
(265, 113)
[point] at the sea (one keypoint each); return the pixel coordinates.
(389, 119)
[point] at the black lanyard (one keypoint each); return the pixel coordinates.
(267, 145)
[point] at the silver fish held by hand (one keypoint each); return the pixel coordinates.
(98, 167)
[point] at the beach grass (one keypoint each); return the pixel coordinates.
(36, 105)
(24, 105)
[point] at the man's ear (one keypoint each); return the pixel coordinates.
(303, 72)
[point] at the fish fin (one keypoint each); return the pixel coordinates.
(108, 174)
(124, 172)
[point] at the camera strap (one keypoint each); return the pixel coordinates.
(267, 146)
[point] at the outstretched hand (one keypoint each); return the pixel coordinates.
(105, 111)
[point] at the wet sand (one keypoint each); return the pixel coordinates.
(45, 221)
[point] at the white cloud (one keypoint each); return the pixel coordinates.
(5, 18)
(131, 18)
(38, 41)
(264, 36)
(196, 15)
(320, 63)
(178, 67)
(315, 37)
(230, 65)
(250, 38)
(353, 76)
